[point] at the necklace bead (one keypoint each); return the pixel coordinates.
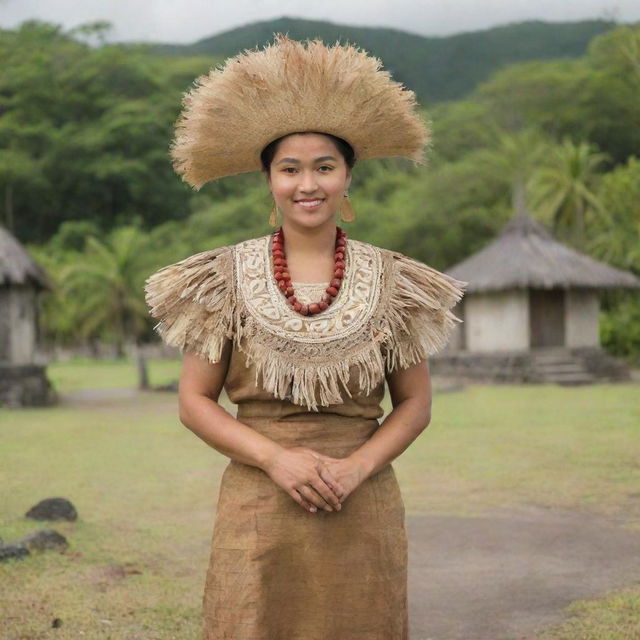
(283, 279)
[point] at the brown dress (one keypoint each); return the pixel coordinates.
(276, 571)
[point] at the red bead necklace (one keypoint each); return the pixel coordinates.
(281, 274)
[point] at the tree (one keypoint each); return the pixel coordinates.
(612, 96)
(614, 235)
(547, 95)
(17, 170)
(88, 130)
(565, 188)
(107, 286)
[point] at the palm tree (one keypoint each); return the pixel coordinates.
(107, 288)
(615, 234)
(564, 187)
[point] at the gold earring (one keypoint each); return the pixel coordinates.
(273, 219)
(347, 214)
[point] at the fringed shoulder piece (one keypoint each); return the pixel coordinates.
(418, 310)
(391, 311)
(194, 302)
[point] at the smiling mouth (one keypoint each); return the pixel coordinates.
(310, 204)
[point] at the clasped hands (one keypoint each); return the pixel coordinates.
(314, 480)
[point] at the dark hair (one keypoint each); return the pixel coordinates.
(345, 149)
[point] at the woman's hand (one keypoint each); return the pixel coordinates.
(301, 473)
(349, 473)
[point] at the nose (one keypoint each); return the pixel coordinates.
(308, 182)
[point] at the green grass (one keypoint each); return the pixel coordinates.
(146, 488)
(487, 446)
(616, 617)
(85, 373)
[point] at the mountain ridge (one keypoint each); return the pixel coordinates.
(437, 68)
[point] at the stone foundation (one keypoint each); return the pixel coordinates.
(25, 385)
(590, 365)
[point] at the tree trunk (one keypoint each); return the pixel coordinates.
(94, 348)
(580, 222)
(518, 198)
(143, 373)
(8, 207)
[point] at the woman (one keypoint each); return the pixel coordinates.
(302, 327)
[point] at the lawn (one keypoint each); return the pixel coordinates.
(145, 489)
(86, 373)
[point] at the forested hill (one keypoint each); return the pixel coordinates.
(438, 69)
(85, 134)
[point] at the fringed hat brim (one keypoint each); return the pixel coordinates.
(235, 111)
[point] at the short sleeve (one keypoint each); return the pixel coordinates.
(419, 311)
(193, 300)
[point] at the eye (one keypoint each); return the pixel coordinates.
(326, 166)
(286, 169)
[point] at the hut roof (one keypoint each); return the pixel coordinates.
(525, 254)
(17, 267)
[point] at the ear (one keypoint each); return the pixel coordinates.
(347, 184)
(267, 176)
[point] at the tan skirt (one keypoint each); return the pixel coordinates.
(278, 572)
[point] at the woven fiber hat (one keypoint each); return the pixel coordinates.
(234, 111)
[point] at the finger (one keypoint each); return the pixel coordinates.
(326, 492)
(312, 496)
(327, 476)
(328, 480)
(302, 502)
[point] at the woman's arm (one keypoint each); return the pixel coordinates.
(410, 390)
(295, 470)
(201, 383)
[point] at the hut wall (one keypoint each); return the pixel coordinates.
(582, 318)
(22, 321)
(497, 321)
(5, 325)
(457, 340)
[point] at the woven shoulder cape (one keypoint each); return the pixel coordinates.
(391, 312)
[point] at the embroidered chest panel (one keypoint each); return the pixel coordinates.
(349, 313)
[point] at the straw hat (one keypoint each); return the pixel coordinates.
(233, 112)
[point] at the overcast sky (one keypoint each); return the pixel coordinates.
(189, 20)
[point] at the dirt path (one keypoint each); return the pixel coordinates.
(510, 572)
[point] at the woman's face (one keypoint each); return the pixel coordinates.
(308, 178)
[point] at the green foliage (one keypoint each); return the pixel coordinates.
(615, 238)
(449, 212)
(84, 132)
(613, 93)
(85, 129)
(460, 127)
(564, 189)
(544, 94)
(98, 285)
(615, 234)
(593, 98)
(620, 326)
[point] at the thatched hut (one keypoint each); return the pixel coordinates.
(531, 310)
(23, 380)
